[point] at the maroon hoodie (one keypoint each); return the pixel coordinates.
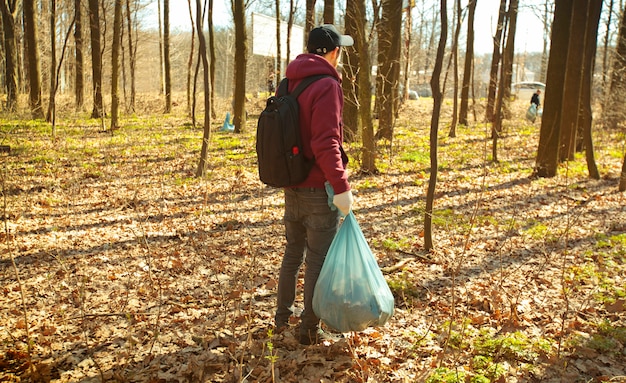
(321, 107)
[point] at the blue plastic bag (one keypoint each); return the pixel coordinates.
(351, 293)
(531, 113)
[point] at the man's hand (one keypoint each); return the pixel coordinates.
(344, 202)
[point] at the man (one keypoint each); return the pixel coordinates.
(534, 99)
(310, 221)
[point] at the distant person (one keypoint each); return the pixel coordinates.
(535, 98)
(533, 110)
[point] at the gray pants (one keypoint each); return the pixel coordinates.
(310, 226)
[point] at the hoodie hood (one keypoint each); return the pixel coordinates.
(308, 64)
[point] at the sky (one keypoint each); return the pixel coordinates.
(529, 35)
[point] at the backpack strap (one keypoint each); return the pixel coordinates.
(284, 85)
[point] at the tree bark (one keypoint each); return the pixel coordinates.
(115, 64)
(9, 11)
(53, 64)
(34, 65)
(434, 127)
(495, 63)
(614, 110)
(79, 87)
(206, 136)
(594, 8)
(241, 57)
(454, 60)
(368, 161)
(278, 47)
(573, 82)
(310, 16)
(350, 74)
(132, 53)
(387, 80)
(468, 66)
(166, 56)
(547, 161)
(213, 59)
(622, 178)
(329, 11)
(96, 58)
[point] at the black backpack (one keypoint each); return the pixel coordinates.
(279, 150)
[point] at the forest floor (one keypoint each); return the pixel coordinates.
(119, 265)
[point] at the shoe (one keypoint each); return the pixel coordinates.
(318, 335)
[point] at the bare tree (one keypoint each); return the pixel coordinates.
(115, 64)
(96, 58)
(9, 11)
(34, 65)
(495, 63)
(310, 16)
(388, 77)
(593, 10)
(241, 59)
(53, 62)
(614, 112)
(278, 47)
(454, 60)
(548, 150)
(212, 56)
(434, 127)
(132, 52)
(468, 67)
(357, 84)
(190, 59)
(166, 56)
(350, 73)
(329, 11)
(202, 51)
(79, 88)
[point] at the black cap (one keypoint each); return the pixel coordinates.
(325, 38)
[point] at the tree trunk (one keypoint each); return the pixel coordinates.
(79, 88)
(166, 56)
(34, 66)
(468, 66)
(573, 82)
(389, 28)
(594, 8)
(132, 53)
(115, 64)
(350, 75)
(191, 55)
(206, 136)
(368, 161)
(213, 59)
(614, 110)
(9, 12)
(289, 29)
(310, 16)
(546, 38)
(454, 59)
(548, 150)
(434, 127)
(622, 178)
(495, 63)
(96, 58)
(53, 65)
(329, 12)
(241, 57)
(278, 47)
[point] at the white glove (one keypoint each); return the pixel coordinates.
(343, 202)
